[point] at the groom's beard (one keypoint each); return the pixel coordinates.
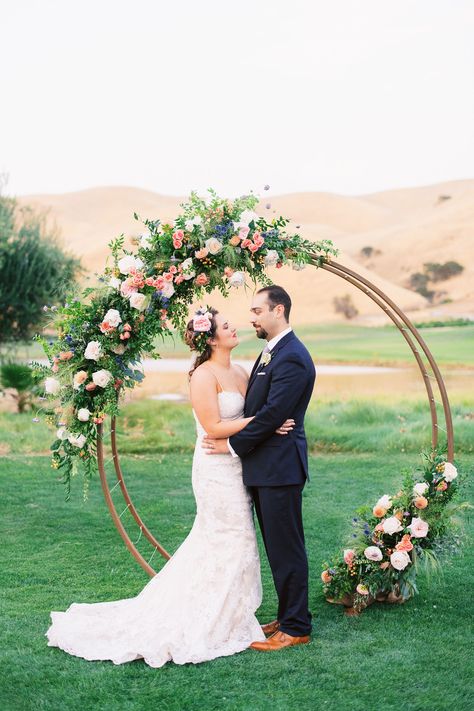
(260, 332)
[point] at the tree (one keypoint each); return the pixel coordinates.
(34, 270)
(344, 305)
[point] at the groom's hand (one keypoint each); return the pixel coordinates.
(214, 446)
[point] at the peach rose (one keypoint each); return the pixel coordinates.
(384, 565)
(65, 355)
(325, 577)
(442, 486)
(201, 253)
(405, 544)
(90, 387)
(228, 271)
(421, 502)
(201, 280)
(235, 241)
(79, 378)
(379, 511)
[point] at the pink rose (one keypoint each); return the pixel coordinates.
(159, 283)
(201, 280)
(373, 553)
(201, 324)
(149, 281)
(168, 276)
(173, 269)
(127, 289)
(179, 234)
(259, 240)
(178, 279)
(349, 555)
(246, 243)
(253, 248)
(228, 271)
(243, 232)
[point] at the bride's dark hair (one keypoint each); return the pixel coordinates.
(193, 339)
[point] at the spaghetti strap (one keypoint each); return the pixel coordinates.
(218, 381)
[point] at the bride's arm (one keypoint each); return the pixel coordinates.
(205, 404)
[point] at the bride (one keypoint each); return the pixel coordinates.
(202, 604)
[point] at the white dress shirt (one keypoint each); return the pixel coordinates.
(270, 346)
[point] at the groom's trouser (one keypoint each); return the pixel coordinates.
(279, 513)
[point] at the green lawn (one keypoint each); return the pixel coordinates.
(413, 657)
(346, 343)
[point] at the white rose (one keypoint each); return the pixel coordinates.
(385, 502)
(237, 279)
(298, 266)
(126, 263)
(51, 386)
(247, 217)
(271, 258)
(420, 488)
(83, 414)
(138, 263)
(391, 525)
(373, 553)
(93, 350)
(62, 433)
(102, 378)
(418, 527)
(450, 472)
(113, 318)
(214, 245)
(119, 349)
(115, 283)
(400, 560)
(77, 440)
(187, 266)
(168, 290)
(139, 301)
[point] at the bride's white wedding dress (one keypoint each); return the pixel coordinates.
(202, 604)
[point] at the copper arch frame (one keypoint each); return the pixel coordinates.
(412, 337)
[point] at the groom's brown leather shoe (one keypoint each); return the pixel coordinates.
(271, 627)
(279, 640)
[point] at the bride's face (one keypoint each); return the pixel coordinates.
(225, 335)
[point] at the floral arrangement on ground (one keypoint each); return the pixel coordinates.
(101, 337)
(416, 528)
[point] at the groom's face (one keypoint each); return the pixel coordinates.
(262, 318)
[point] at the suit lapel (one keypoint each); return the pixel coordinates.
(281, 344)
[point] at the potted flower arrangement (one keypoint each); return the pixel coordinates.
(396, 537)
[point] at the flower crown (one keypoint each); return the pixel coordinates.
(202, 327)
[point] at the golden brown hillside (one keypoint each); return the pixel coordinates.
(405, 228)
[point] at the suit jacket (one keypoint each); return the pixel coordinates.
(275, 392)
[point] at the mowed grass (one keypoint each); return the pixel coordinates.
(343, 343)
(416, 656)
(148, 426)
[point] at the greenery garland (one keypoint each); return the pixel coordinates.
(102, 336)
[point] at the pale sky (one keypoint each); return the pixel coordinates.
(348, 96)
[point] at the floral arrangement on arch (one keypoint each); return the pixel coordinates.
(102, 337)
(395, 538)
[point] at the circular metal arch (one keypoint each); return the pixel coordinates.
(420, 352)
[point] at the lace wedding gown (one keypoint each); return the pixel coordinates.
(202, 604)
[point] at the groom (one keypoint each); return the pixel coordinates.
(275, 468)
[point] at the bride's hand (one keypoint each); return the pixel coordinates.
(286, 427)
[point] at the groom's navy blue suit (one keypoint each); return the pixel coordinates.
(275, 468)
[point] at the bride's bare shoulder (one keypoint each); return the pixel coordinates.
(202, 377)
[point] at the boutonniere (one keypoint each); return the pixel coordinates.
(266, 358)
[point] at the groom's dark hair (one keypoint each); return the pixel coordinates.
(277, 295)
